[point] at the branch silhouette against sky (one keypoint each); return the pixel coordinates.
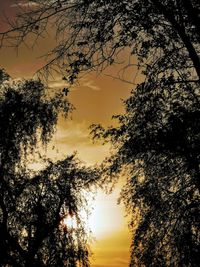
(154, 46)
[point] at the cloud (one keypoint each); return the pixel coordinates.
(73, 131)
(84, 82)
(59, 83)
(89, 83)
(25, 4)
(74, 136)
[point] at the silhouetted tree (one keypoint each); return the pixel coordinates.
(163, 35)
(157, 143)
(158, 137)
(35, 206)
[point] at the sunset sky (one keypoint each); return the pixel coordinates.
(96, 99)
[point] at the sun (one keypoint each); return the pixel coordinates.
(69, 222)
(105, 219)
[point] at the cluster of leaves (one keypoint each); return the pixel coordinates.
(24, 113)
(33, 214)
(157, 141)
(33, 206)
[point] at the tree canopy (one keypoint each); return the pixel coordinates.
(157, 143)
(157, 139)
(163, 35)
(35, 205)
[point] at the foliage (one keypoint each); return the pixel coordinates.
(158, 137)
(157, 142)
(25, 111)
(163, 35)
(33, 206)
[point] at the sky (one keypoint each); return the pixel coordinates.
(96, 99)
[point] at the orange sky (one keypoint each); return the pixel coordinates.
(96, 99)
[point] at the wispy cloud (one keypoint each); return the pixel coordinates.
(74, 136)
(25, 4)
(72, 131)
(59, 83)
(89, 83)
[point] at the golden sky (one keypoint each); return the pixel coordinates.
(96, 99)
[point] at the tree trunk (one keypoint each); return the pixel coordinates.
(181, 32)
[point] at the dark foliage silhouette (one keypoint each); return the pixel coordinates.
(157, 140)
(157, 143)
(34, 205)
(163, 35)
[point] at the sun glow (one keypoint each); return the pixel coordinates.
(69, 222)
(106, 217)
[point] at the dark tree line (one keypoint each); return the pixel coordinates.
(158, 144)
(34, 206)
(157, 140)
